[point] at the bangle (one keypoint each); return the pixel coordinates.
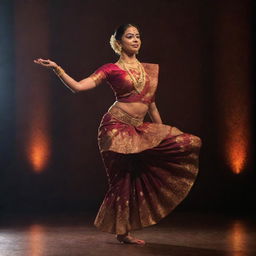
(59, 71)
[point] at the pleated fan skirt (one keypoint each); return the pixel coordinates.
(150, 168)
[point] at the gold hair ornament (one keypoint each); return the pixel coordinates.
(114, 45)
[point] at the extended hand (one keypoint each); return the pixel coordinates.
(46, 63)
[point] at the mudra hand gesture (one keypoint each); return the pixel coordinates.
(46, 63)
(72, 84)
(50, 64)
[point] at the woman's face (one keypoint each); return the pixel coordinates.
(130, 40)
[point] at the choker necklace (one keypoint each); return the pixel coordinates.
(128, 63)
(139, 82)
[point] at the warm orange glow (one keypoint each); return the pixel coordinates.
(237, 156)
(33, 89)
(237, 140)
(238, 239)
(38, 151)
(38, 144)
(36, 241)
(233, 77)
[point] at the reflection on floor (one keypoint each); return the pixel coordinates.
(179, 234)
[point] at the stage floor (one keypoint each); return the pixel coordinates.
(188, 234)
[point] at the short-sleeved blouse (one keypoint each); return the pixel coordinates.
(122, 85)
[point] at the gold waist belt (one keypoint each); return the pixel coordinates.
(124, 117)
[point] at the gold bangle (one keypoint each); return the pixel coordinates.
(59, 71)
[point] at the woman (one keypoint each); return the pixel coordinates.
(150, 166)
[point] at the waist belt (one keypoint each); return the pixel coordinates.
(124, 117)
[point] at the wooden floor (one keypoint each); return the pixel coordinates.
(179, 234)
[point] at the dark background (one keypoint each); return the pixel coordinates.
(205, 50)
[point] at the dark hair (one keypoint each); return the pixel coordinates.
(121, 29)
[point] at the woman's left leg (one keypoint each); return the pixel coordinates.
(128, 239)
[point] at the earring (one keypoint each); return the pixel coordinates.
(118, 47)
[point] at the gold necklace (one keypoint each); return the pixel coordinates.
(140, 82)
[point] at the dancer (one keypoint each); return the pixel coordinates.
(150, 166)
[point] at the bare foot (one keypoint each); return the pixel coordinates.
(127, 239)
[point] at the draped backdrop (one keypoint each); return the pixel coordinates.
(48, 135)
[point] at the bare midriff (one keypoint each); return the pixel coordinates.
(135, 109)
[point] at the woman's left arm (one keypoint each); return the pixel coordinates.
(154, 113)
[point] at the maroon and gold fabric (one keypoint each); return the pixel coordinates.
(150, 167)
(122, 85)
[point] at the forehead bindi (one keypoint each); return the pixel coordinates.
(132, 31)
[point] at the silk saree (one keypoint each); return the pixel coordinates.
(150, 167)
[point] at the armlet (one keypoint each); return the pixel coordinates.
(98, 77)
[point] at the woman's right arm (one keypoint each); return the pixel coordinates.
(75, 86)
(83, 85)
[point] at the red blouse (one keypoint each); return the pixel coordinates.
(122, 85)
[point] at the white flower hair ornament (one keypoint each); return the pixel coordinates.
(114, 45)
